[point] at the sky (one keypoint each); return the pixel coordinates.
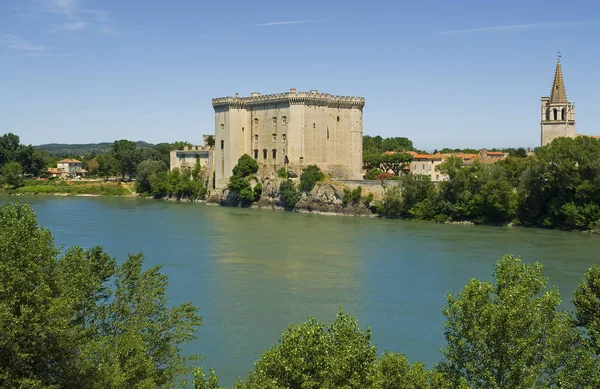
(445, 73)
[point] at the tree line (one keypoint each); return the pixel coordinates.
(75, 318)
(555, 188)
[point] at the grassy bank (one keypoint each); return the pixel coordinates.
(73, 188)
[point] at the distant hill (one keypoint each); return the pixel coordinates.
(81, 149)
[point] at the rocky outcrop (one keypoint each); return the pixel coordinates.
(327, 198)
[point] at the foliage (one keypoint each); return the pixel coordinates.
(201, 381)
(368, 200)
(282, 173)
(509, 334)
(587, 303)
(392, 202)
(379, 145)
(373, 173)
(147, 175)
(32, 161)
(560, 188)
(239, 182)
(289, 194)
(210, 141)
(395, 162)
(311, 355)
(309, 178)
(77, 319)
(245, 167)
(416, 190)
(124, 152)
(12, 174)
(74, 188)
(352, 197)
(107, 165)
(384, 176)
(93, 165)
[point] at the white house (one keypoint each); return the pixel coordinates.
(69, 166)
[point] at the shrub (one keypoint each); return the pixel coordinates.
(373, 173)
(289, 194)
(385, 176)
(282, 173)
(309, 177)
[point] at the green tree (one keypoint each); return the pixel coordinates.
(77, 319)
(311, 355)
(309, 178)
(397, 372)
(93, 165)
(587, 303)
(12, 174)
(107, 165)
(509, 334)
(146, 175)
(245, 166)
(289, 194)
(210, 141)
(124, 152)
(395, 162)
(416, 188)
(9, 143)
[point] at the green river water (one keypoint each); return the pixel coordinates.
(252, 272)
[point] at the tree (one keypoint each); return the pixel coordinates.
(416, 188)
(397, 372)
(311, 355)
(12, 174)
(289, 193)
(309, 178)
(508, 334)
(9, 143)
(77, 319)
(395, 162)
(587, 303)
(93, 165)
(124, 152)
(107, 165)
(373, 173)
(245, 166)
(147, 175)
(210, 141)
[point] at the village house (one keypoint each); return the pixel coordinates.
(70, 167)
(189, 156)
(427, 163)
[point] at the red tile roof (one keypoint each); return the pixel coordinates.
(69, 161)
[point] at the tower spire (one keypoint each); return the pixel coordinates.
(558, 94)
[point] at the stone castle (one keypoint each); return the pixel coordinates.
(558, 114)
(292, 129)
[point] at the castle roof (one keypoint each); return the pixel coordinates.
(558, 94)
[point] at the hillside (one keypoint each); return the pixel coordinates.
(81, 149)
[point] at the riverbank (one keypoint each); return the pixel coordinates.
(73, 188)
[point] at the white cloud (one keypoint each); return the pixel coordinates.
(516, 27)
(79, 25)
(67, 7)
(289, 22)
(14, 42)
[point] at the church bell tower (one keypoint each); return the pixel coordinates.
(558, 114)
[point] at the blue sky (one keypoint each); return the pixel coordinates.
(443, 73)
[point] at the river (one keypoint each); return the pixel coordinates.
(252, 272)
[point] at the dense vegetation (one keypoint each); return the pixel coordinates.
(555, 188)
(76, 319)
(17, 160)
(240, 181)
(507, 334)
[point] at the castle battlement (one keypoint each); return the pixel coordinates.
(293, 98)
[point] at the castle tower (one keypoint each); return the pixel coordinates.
(558, 114)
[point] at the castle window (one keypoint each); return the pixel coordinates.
(314, 125)
(255, 153)
(301, 159)
(555, 114)
(265, 153)
(222, 127)
(274, 153)
(327, 132)
(242, 129)
(274, 138)
(284, 120)
(338, 118)
(222, 144)
(274, 121)
(255, 123)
